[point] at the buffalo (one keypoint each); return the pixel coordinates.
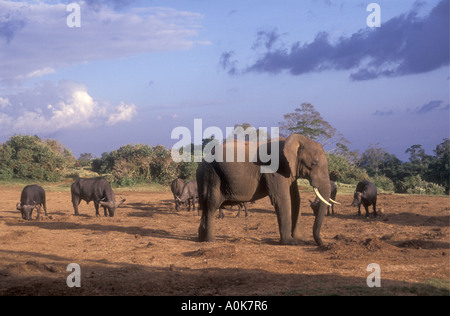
(365, 194)
(177, 187)
(189, 194)
(97, 190)
(33, 196)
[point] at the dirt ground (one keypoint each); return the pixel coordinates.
(150, 249)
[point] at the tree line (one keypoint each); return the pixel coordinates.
(27, 157)
(422, 174)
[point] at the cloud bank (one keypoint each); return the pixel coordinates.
(406, 44)
(430, 107)
(47, 108)
(36, 40)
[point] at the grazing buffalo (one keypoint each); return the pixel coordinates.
(177, 187)
(33, 196)
(189, 194)
(97, 190)
(365, 194)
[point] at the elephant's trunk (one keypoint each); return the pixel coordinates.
(324, 191)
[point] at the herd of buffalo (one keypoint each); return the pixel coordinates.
(219, 181)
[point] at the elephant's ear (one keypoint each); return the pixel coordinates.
(291, 147)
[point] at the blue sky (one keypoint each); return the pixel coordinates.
(135, 70)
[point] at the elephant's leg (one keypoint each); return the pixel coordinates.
(206, 229)
(375, 209)
(282, 203)
(209, 204)
(295, 211)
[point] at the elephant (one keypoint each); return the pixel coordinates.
(226, 183)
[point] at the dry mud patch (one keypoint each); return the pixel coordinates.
(150, 249)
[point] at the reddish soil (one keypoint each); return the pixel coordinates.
(150, 249)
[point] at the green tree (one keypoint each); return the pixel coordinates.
(307, 121)
(29, 157)
(344, 171)
(439, 170)
(372, 159)
(85, 159)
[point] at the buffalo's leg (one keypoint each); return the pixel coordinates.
(96, 205)
(45, 208)
(38, 209)
(366, 207)
(75, 203)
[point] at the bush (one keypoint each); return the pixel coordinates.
(28, 157)
(133, 164)
(383, 183)
(342, 171)
(415, 185)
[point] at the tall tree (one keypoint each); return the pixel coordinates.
(307, 121)
(439, 168)
(372, 158)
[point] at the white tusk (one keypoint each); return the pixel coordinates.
(334, 202)
(316, 191)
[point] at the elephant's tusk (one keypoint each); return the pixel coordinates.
(334, 202)
(316, 191)
(177, 198)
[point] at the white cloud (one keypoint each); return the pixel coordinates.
(124, 113)
(4, 103)
(48, 108)
(36, 40)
